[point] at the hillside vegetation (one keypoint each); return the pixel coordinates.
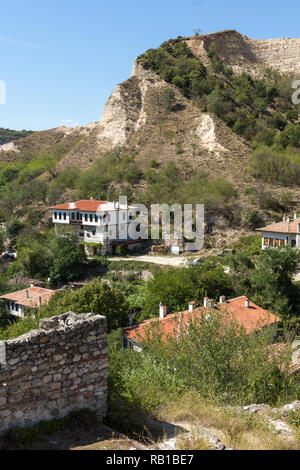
(9, 135)
(197, 131)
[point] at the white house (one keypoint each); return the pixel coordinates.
(101, 225)
(32, 298)
(285, 233)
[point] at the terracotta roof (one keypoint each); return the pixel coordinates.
(91, 205)
(281, 227)
(252, 319)
(20, 296)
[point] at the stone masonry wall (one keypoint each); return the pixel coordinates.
(49, 372)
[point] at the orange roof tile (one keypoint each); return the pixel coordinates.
(281, 227)
(91, 205)
(20, 296)
(252, 319)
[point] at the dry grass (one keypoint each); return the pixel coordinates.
(239, 431)
(194, 441)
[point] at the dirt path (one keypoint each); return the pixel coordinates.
(156, 259)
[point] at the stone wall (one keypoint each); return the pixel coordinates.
(49, 372)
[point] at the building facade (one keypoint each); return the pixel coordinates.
(100, 225)
(281, 234)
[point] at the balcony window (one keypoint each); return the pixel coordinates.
(59, 216)
(86, 217)
(55, 215)
(80, 216)
(91, 217)
(65, 216)
(77, 216)
(96, 218)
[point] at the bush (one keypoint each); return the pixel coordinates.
(215, 361)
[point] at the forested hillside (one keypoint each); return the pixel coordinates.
(9, 135)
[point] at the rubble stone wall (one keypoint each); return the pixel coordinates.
(56, 369)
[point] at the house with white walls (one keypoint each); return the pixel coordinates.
(240, 310)
(281, 234)
(100, 225)
(21, 301)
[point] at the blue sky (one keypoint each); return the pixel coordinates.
(60, 60)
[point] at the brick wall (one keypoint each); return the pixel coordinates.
(49, 372)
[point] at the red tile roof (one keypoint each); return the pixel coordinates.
(281, 227)
(91, 205)
(20, 296)
(252, 319)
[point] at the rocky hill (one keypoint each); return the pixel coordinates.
(136, 117)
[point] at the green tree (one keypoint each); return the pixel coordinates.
(96, 297)
(168, 99)
(69, 257)
(272, 279)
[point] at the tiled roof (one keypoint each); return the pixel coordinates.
(252, 319)
(281, 227)
(91, 205)
(20, 296)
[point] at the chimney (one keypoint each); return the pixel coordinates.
(31, 284)
(27, 294)
(40, 301)
(191, 306)
(247, 303)
(130, 319)
(162, 311)
(295, 216)
(205, 302)
(284, 218)
(222, 299)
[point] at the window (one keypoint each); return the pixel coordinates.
(80, 216)
(293, 243)
(275, 242)
(96, 218)
(59, 215)
(91, 217)
(65, 216)
(127, 344)
(73, 216)
(77, 215)
(86, 217)
(55, 215)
